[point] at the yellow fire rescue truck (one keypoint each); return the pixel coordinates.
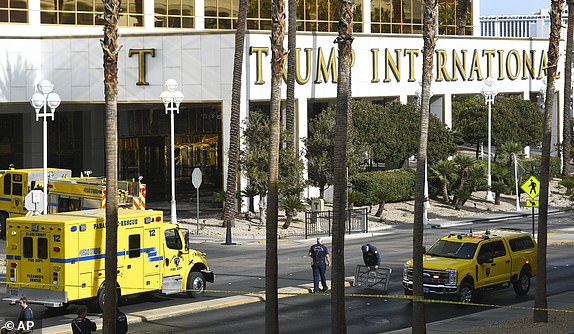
(15, 184)
(65, 193)
(84, 193)
(60, 258)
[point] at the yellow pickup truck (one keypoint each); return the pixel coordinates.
(459, 264)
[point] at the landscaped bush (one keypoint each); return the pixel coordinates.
(384, 186)
(534, 164)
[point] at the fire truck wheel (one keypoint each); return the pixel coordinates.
(99, 302)
(3, 226)
(195, 284)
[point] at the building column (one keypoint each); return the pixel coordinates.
(367, 16)
(34, 13)
(447, 110)
(149, 17)
(199, 15)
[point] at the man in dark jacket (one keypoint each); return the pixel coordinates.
(321, 260)
(371, 256)
(83, 325)
(26, 317)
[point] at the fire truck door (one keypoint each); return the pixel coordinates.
(174, 261)
(134, 261)
(18, 191)
(152, 258)
(35, 262)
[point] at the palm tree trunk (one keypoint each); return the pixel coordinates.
(567, 136)
(110, 50)
(429, 38)
(230, 207)
(291, 45)
(342, 116)
(461, 16)
(541, 302)
(277, 36)
(445, 192)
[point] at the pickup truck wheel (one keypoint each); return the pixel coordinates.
(466, 293)
(522, 285)
(195, 286)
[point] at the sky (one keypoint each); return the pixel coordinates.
(504, 7)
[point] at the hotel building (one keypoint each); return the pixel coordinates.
(192, 41)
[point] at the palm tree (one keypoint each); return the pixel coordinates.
(567, 136)
(111, 49)
(540, 301)
(461, 16)
(445, 172)
(429, 38)
(342, 116)
(291, 46)
(230, 207)
(277, 61)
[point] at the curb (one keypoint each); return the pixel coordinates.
(202, 306)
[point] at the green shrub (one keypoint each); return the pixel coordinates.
(384, 186)
(534, 164)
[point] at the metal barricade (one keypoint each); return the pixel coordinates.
(377, 279)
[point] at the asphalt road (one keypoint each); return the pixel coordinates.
(241, 268)
(366, 312)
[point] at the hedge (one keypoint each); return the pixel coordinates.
(395, 185)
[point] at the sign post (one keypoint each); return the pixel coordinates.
(196, 178)
(532, 188)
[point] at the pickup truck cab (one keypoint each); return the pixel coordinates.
(459, 264)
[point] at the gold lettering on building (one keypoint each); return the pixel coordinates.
(528, 64)
(141, 63)
(458, 65)
(375, 53)
(475, 67)
(326, 70)
(392, 65)
(412, 53)
(489, 54)
(500, 64)
(300, 80)
(450, 64)
(513, 54)
(259, 52)
(441, 71)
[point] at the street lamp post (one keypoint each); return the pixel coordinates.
(171, 99)
(489, 92)
(43, 98)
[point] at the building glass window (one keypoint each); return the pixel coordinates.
(175, 14)
(312, 15)
(322, 15)
(259, 15)
(406, 17)
(14, 11)
(89, 12)
(221, 14)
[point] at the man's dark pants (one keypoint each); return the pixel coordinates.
(319, 269)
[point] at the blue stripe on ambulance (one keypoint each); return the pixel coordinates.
(150, 251)
(13, 257)
(6, 199)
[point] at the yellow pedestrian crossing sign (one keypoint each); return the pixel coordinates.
(532, 203)
(531, 187)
